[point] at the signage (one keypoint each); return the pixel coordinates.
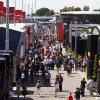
(99, 62)
(88, 54)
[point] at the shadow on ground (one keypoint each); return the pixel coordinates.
(35, 79)
(22, 98)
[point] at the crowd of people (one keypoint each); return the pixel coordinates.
(45, 54)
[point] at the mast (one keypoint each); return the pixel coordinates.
(25, 10)
(22, 12)
(7, 24)
(15, 14)
(28, 14)
(31, 12)
(35, 12)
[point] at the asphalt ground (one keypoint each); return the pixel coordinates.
(47, 93)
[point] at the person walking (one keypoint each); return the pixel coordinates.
(77, 94)
(22, 78)
(56, 89)
(90, 84)
(60, 82)
(68, 70)
(47, 78)
(18, 89)
(38, 86)
(83, 84)
(11, 94)
(24, 91)
(70, 96)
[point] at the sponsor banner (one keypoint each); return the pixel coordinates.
(18, 13)
(4, 11)
(23, 14)
(11, 12)
(1, 8)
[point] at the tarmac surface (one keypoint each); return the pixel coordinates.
(69, 85)
(47, 93)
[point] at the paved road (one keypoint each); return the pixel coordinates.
(47, 93)
(69, 84)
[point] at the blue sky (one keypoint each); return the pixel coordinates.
(56, 5)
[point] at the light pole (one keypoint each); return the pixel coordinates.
(70, 34)
(22, 12)
(75, 36)
(32, 13)
(35, 7)
(35, 11)
(7, 24)
(15, 14)
(28, 15)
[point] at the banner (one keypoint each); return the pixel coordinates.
(18, 13)
(11, 12)
(23, 14)
(4, 11)
(1, 8)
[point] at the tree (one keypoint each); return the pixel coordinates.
(95, 67)
(64, 9)
(44, 12)
(86, 8)
(96, 9)
(77, 9)
(51, 12)
(32, 14)
(28, 15)
(84, 29)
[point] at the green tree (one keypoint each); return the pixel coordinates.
(77, 9)
(44, 12)
(64, 9)
(95, 67)
(86, 8)
(84, 29)
(51, 12)
(33, 14)
(28, 15)
(96, 9)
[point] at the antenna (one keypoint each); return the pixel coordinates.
(25, 10)
(22, 11)
(35, 10)
(15, 14)
(28, 14)
(7, 25)
(31, 12)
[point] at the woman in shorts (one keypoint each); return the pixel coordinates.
(56, 89)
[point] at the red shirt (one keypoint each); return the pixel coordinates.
(47, 51)
(42, 50)
(70, 97)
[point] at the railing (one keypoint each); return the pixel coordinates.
(40, 17)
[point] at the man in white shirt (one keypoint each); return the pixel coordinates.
(36, 55)
(22, 77)
(90, 84)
